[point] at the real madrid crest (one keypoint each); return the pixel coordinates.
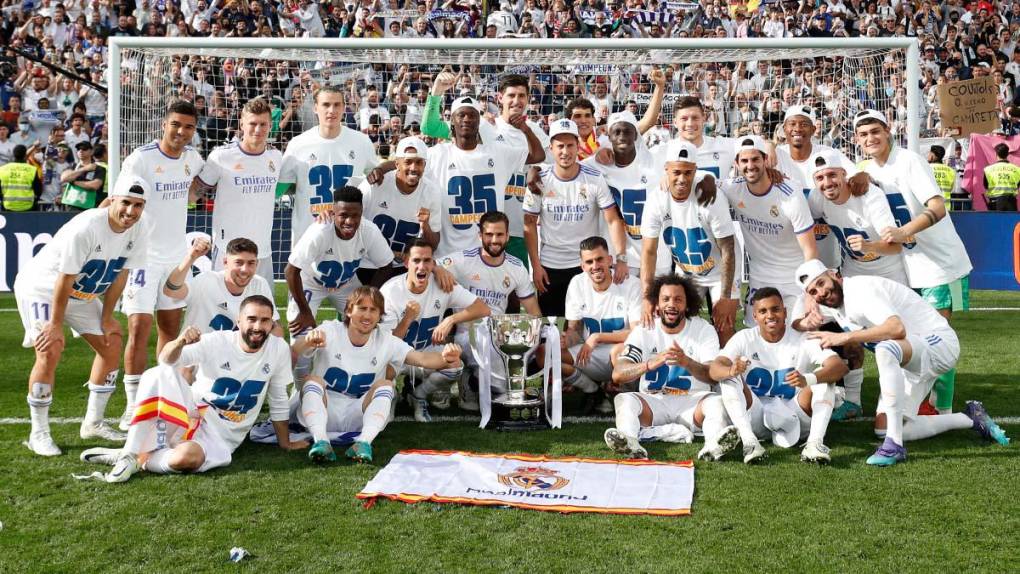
(272, 166)
(774, 211)
(187, 170)
(351, 155)
(506, 281)
(491, 163)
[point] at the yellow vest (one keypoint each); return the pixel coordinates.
(945, 176)
(1003, 179)
(16, 183)
(106, 180)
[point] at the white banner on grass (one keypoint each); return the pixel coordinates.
(536, 482)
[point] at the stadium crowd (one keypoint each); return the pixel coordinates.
(52, 78)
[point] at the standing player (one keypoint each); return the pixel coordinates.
(88, 258)
(169, 165)
(715, 153)
(349, 389)
(936, 260)
(214, 297)
(913, 346)
(699, 233)
(415, 306)
(244, 175)
(671, 357)
(773, 368)
(323, 159)
(566, 202)
(180, 429)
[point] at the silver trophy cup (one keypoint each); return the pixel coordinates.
(516, 338)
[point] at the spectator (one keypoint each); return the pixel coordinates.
(84, 183)
(20, 186)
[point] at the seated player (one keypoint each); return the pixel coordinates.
(349, 388)
(75, 280)
(671, 357)
(181, 429)
(599, 314)
(214, 297)
(415, 306)
(914, 344)
(770, 386)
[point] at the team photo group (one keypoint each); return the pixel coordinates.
(643, 259)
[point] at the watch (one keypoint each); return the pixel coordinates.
(621, 258)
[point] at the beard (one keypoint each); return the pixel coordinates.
(254, 338)
(494, 249)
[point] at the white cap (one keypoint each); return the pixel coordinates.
(751, 142)
(131, 186)
(872, 115)
(411, 146)
(624, 116)
(808, 271)
(825, 159)
(465, 102)
(798, 110)
(680, 149)
(560, 127)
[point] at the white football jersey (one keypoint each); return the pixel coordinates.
(691, 231)
(490, 284)
(568, 212)
(770, 225)
(245, 184)
(616, 308)
(866, 216)
(349, 369)
(316, 166)
(939, 256)
(433, 304)
(88, 248)
(517, 185)
(396, 214)
(212, 308)
(329, 262)
(869, 301)
(698, 340)
(167, 205)
(236, 383)
(770, 362)
(471, 183)
(716, 155)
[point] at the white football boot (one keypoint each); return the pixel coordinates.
(101, 455)
(41, 443)
(126, 465)
(623, 444)
(101, 431)
(754, 452)
(728, 440)
(815, 452)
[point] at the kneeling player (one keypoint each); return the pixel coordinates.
(349, 389)
(180, 429)
(672, 358)
(788, 399)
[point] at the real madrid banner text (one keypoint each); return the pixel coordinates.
(537, 482)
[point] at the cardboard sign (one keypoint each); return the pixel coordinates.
(969, 107)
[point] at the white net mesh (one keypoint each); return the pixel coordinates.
(743, 90)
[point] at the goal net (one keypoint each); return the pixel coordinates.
(744, 84)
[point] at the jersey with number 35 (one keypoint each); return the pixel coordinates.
(698, 340)
(771, 362)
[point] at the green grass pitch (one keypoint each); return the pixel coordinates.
(952, 506)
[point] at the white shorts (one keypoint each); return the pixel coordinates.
(85, 317)
(343, 412)
(210, 435)
(144, 291)
(932, 355)
(668, 409)
(316, 295)
(264, 269)
(790, 292)
(599, 367)
(774, 409)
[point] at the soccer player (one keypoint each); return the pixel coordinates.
(214, 297)
(76, 280)
(565, 202)
(415, 306)
(169, 165)
(699, 233)
(671, 358)
(935, 257)
(349, 389)
(491, 274)
(775, 220)
(322, 160)
(244, 175)
(582, 112)
(599, 314)
(405, 204)
(775, 382)
(914, 345)
(715, 153)
(180, 429)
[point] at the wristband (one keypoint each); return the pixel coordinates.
(810, 379)
(173, 286)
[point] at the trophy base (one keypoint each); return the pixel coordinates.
(527, 415)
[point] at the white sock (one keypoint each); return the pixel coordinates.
(313, 407)
(137, 435)
(99, 395)
(628, 414)
(159, 462)
(377, 414)
(852, 383)
(582, 382)
(302, 367)
(888, 356)
(918, 428)
(715, 419)
(732, 391)
(39, 400)
(823, 395)
(131, 390)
